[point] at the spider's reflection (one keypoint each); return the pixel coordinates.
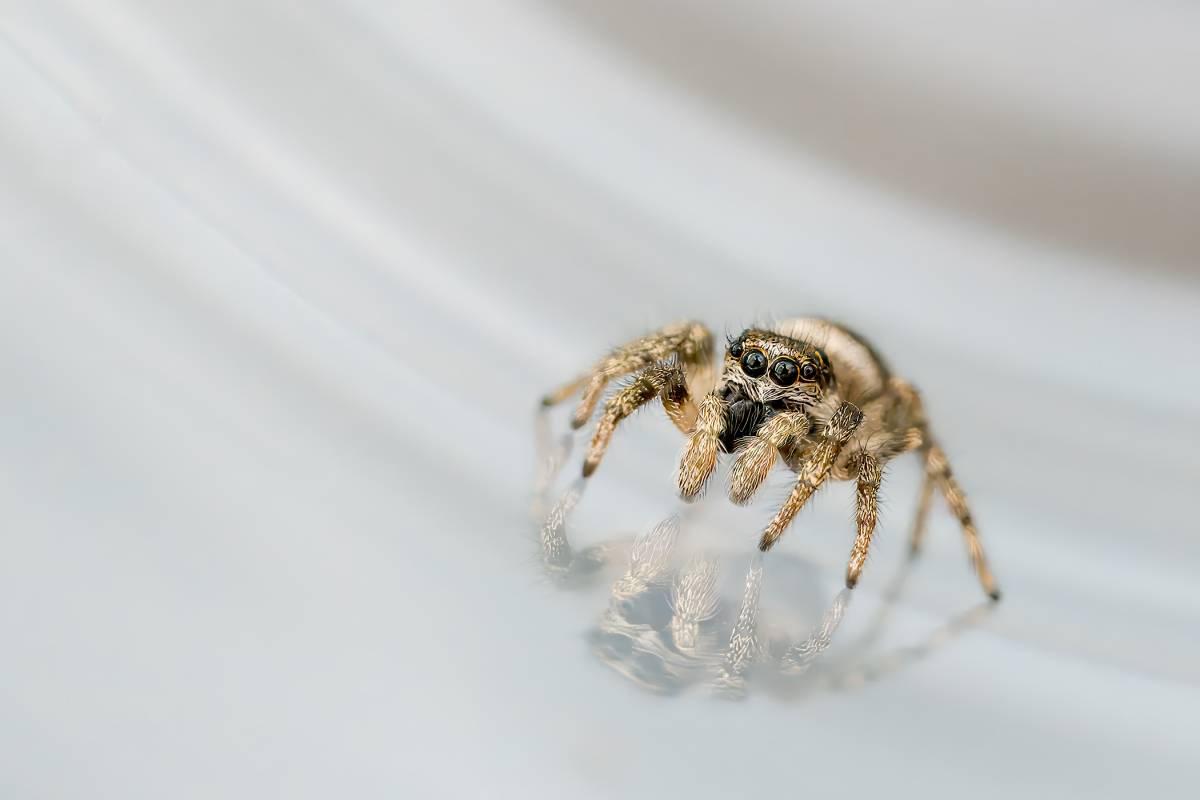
(671, 623)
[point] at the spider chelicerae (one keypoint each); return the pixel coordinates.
(807, 391)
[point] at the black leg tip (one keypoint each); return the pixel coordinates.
(589, 468)
(995, 595)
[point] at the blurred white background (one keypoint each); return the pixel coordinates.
(281, 283)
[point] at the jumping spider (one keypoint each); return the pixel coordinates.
(808, 391)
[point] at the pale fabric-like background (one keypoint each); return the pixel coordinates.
(280, 283)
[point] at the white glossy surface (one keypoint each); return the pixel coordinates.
(281, 283)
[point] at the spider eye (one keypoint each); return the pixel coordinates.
(784, 372)
(754, 363)
(736, 349)
(808, 371)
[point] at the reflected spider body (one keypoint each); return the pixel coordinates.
(808, 392)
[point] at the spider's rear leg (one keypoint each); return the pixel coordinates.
(689, 342)
(870, 474)
(938, 469)
(814, 471)
(922, 517)
(916, 437)
(868, 470)
(665, 381)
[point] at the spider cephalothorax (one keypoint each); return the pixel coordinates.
(806, 391)
(765, 373)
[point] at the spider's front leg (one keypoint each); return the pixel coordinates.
(814, 471)
(759, 456)
(700, 456)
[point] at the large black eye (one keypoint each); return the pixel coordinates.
(808, 371)
(784, 372)
(754, 363)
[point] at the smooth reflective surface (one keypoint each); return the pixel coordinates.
(281, 282)
(671, 624)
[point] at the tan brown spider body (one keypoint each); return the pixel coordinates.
(806, 391)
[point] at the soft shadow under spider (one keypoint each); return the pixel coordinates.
(856, 666)
(666, 630)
